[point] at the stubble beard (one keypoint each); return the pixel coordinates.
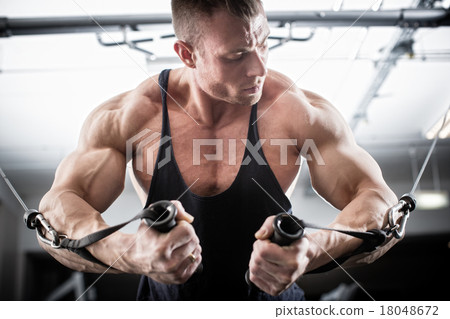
(238, 98)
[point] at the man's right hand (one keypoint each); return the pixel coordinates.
(165, 256)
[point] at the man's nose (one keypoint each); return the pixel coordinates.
(257, 65)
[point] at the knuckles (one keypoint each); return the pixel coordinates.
(156, 254)
(284, 276)
(185, 229)
(257, 260)
(180, 276)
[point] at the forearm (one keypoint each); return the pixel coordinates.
(70, 215)
(368, 210)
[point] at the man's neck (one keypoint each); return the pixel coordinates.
(205, 109)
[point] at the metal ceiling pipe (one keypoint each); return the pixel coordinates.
(77, 24)
(368, 18)
(401, 43)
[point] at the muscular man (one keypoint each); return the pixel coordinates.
(226, 191)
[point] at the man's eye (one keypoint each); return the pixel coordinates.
(236, 56)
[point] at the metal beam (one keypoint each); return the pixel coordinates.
(401, 43)
(385, 18)
(77, 24)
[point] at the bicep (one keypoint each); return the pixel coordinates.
(345, 168)
(95, 174)
(345, 171)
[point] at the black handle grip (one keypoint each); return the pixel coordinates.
(286, 229)
(161, 216)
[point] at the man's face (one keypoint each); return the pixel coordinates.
(231, 63)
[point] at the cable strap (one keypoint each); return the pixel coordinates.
(372, 239)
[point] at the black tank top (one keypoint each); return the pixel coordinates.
(225, 223)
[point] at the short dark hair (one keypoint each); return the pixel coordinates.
(187, 13)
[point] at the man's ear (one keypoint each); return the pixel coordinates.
(185, 52)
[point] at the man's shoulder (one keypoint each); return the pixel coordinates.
(142, 102)
(121, 116)
(134, 102)
(282, 97)
(280, 89)
(304, 109)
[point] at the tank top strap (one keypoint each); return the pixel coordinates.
(253, 135)
(163, 82)
(253, 140)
